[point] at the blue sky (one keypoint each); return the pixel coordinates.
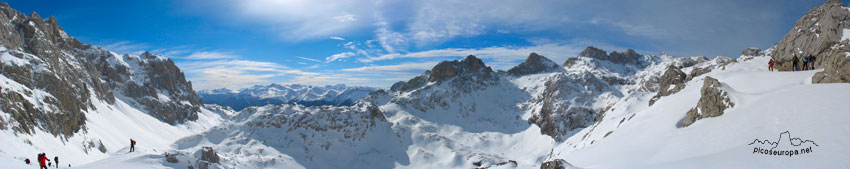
(236, 44)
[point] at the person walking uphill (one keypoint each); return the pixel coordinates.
(794, 62)
(770, 65)
(132, 145)
(56, 160)
(42, 158)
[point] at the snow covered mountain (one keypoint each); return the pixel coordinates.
(259, 95)
(83, 102)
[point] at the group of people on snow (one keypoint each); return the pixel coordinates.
(44, 161)
(808, 63)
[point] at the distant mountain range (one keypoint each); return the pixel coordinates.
(259, 95)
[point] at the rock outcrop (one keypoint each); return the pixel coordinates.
(819, 33)
(752, 52)
(669, 83)
(209, 155)
(556, 164)
(627, 57)
(564, 104)
(466, 75)
(534, 64)
(712, 102)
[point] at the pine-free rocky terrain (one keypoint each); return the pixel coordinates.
(596, 110)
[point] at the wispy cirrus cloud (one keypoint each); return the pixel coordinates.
(338, 56)
(211, 55)
(126, 47)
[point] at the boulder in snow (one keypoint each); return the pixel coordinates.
(712, 102)
(671, 82)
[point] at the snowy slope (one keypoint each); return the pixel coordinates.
(767, 104)
(110, 125)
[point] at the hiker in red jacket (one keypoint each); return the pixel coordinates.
(41, 161)
(770, 64)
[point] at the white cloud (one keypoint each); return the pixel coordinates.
(126, 47)
(310, 59)
(337, 38)
(393, 68)
(557, 52)
(338, 56)
(234, 74)
(345, 18)
(211, 55)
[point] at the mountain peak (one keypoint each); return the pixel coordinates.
(534, 64)
(470, 65)
(629, 56)
(834, 1)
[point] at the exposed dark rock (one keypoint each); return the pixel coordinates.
(209, 155)
(627, 57)
(469, 66)
(171, 158)
(712, 102)
(669, 83)
(101, 147)
(752, 52)
(415, 82)
(397, 86)
(555, 164)
(697, 71)
(836, 69)
(559, 114)
(534, 64)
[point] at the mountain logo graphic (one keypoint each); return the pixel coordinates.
(785, 145)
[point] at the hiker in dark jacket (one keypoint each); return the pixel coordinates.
(132, 145)
(56, 160)
(794, 62)
(812, 62)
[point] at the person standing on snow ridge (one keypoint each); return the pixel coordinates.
(794, 61)
(132, 145)
(770, 65)
(805, 63)
(42, 158)
(56, 159)
(812, 62)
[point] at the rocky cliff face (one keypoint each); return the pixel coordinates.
(51, 80)
(821, 33)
